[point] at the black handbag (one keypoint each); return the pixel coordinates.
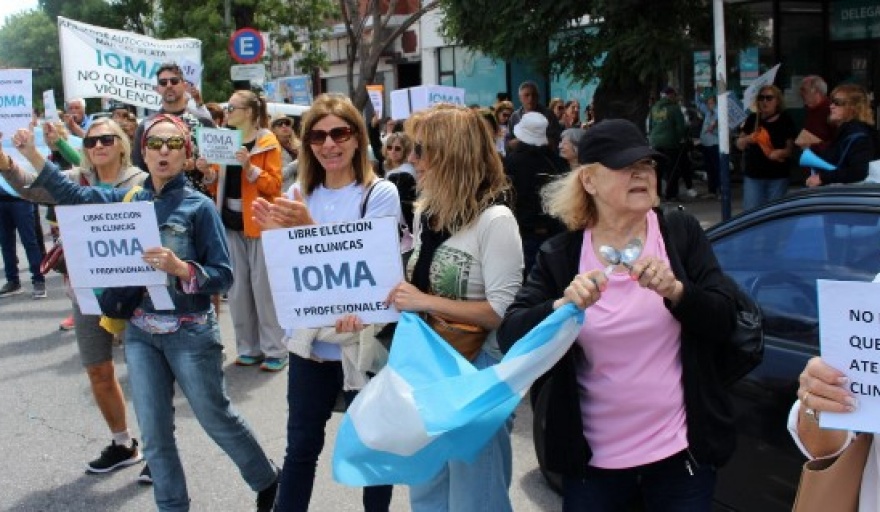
(745, 349)
(120, 303)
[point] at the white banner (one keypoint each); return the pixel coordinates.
(849, 339)
(104, 244)
(321, 273)
(218, 146)
(375, 92)
(762, 81)
(100, 62)
(16, 100)
(406, 101)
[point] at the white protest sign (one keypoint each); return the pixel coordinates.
(376, 98)
(104, 244)
(849, 339)
(320, 273)
(99, 62)
(16, 100)
(253, 72)
(50, 110)
(762, 81)
(406, 101)
(736, 114)
(218, 146)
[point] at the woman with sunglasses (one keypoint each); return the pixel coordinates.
(397, 148)
(106, 163)
(182, 347)
(466, 267)
(855, 143)
(767, 142)
(258, 336)
(336, 183)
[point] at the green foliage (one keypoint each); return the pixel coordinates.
(30, 40)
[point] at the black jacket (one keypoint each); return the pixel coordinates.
(854, 146)
(707, 313)
(530, 168)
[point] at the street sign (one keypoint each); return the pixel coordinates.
(246, 45)
(255, 73)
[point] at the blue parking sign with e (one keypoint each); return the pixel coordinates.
(246, 45)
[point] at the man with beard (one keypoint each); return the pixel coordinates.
(171, 85)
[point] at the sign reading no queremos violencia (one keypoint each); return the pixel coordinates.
(218, 146)
(98, 62)
(849, 338)
(104, 244)
(320, 273)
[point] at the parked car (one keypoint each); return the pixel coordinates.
(776, 252)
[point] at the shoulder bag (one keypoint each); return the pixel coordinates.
(119, 303)
(834, 483)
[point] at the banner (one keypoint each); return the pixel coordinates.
(322, 272)
(764, 80)
(218, 145)
(406, 101)
(376, 98)
(99, 62)
(736, 113)
(16, 100)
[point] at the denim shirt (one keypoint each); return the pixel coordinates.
(190, 226)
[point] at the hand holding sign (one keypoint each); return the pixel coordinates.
(165, 260)
(822, 388)
(283, 213)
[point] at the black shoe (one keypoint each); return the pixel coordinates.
(10, 288)
(266, 497)
(145, 477)
(115, 456)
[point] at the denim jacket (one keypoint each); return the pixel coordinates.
(189, 225)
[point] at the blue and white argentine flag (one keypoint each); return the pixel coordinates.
(430, 405)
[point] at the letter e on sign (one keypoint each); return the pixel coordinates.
(246, 45)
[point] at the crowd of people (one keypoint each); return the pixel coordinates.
(512, 212)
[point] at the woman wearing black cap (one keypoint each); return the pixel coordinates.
(634, 411)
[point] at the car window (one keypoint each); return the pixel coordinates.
(779, 261)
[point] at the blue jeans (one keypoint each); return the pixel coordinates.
(667, 485)
(312, 388)
(19, 216)
(757, 192)
(479, 486)
(192, 357)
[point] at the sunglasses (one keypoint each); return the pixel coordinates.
(839, 102)
(174, 142)
(766, 97)
(173, 80)
(232, 108)
(284, 122)
(105, 140)
(418, 150)
(339, 135)
(394, 148)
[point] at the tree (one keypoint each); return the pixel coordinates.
(373, 17)
(631, 46)
(30, 40)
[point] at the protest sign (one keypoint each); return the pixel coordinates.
(104, 244)
(406, 101)
(218, 146)
(16, 100)
(99, 62)
(50, 110)
(736, 114)
(322, 272)
(849, 339)
(376, 98)
(757, 84)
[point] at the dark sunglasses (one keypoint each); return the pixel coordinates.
(839, 102)
(394, 148)
(339, 135)
(174, 81)
(418, 150)
(766, 97)
(174, 142)
(105, 140)
(232, 108)
(282, 122)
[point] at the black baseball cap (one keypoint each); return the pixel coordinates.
(614, 143)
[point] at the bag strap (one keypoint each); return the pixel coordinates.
(131, 192)
(366, 198)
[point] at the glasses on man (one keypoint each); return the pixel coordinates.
(174, 80)
(839, 102)
(282, 122)
(766, 97)
(93, 140)
(174, 142)
(394, 148)
(339, 135)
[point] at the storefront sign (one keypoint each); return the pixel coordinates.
(854, 19)
(749, 66)
(703, 69)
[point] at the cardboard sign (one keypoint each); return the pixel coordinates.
(218, 146)
(16, 100)
(406, 101)
(50, 110)
(320, 273)
(849, 339)
(376, 98)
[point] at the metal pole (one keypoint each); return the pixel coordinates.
(721, 89)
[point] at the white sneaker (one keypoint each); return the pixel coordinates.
(690, 193)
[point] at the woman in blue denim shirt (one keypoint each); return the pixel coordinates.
(184, 345)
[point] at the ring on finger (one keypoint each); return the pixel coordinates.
(804, 399)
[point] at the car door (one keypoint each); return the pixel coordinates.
(777, 260)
